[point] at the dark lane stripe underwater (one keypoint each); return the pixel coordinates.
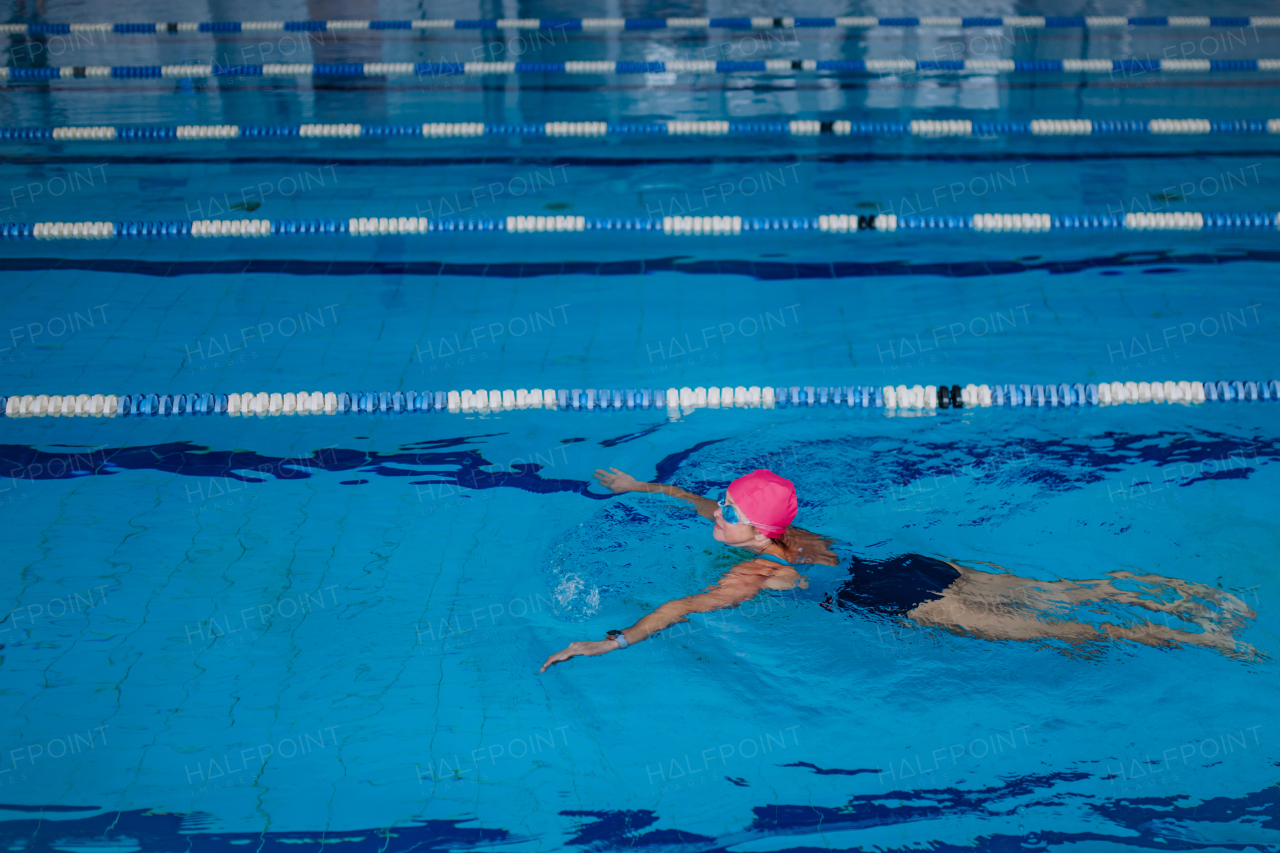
(1056, 465)
(1146, 823)
(762, 270)
(527, 159)
(444, 461)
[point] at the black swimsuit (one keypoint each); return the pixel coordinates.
(894, 586)
(897, 585)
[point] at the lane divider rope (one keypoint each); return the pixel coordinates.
(589, 24)
(916, 397)
(926, 128)
(696, 66)
(994, 223)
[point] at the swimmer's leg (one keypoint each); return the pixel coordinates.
(1057, 595)
(988, 591)
(1150, 634)
(959, 616)
(954, 614)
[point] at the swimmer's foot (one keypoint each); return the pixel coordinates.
(1232, 606)
(1186, 609)
(1221, 641)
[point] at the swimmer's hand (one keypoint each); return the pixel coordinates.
(588, 648)
(616, 481)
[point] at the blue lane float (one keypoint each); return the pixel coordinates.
(1127, 67)
(677, 226)
(1090, 22)
(926, 128)
(674, 400)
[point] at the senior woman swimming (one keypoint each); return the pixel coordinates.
(756, 514)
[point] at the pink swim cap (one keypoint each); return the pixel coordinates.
(767, 500)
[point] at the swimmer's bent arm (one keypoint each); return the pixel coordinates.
(731, 591)
(620, 483)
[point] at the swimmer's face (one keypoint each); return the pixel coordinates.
(735, 535)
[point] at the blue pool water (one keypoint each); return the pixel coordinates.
(252, 632)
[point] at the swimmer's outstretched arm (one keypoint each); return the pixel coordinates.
(732, 590)
(620, 483)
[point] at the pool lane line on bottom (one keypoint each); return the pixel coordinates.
(672, 399)
(670, 225)
(439, 70)
(757, 22)
(929, 128)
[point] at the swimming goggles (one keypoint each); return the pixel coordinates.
(730, 512)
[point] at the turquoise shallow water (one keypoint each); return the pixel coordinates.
(903, 311)
(299, 653)
(223, 632)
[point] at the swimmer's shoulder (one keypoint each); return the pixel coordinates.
(804, 556)
(795, 564)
